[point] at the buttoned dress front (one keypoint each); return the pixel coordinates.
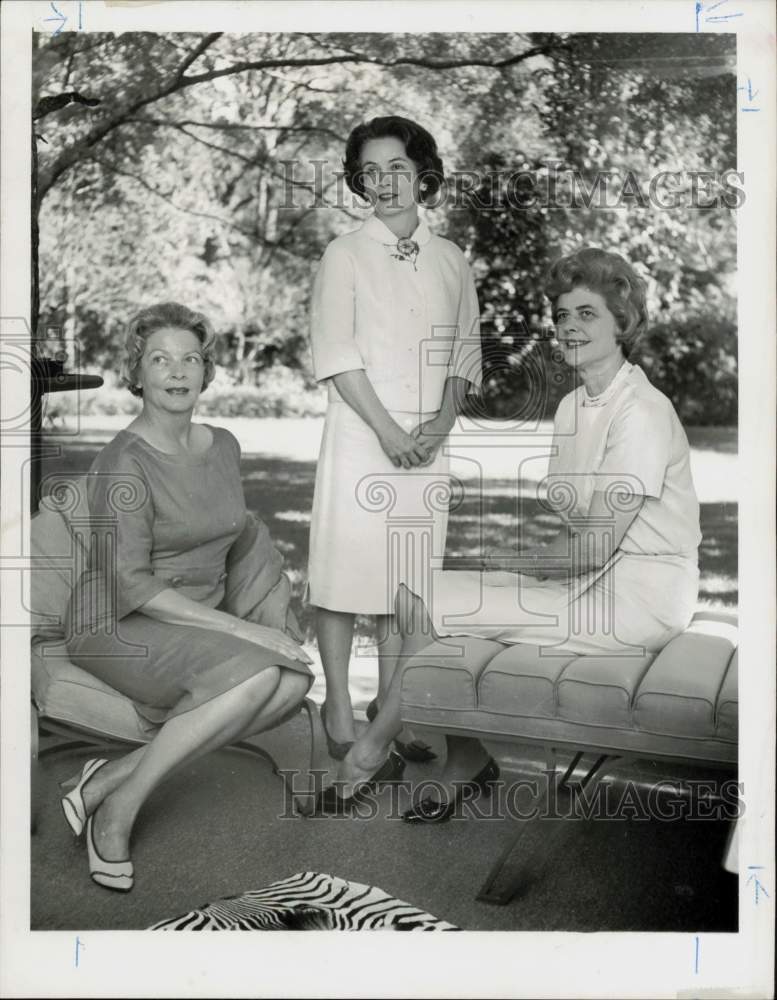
(162, 521)
(409, 324)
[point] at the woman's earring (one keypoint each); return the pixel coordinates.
(554, 341)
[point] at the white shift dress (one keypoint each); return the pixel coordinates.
(409, 325)
(629, 440)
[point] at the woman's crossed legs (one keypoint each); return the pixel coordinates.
(117, 791)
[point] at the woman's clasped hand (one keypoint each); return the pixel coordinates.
(621, 570)
(404, 450)
(197, 584)
(394, 326)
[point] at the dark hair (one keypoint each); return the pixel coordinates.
(157, 317)
(419, 146)
(613, 278)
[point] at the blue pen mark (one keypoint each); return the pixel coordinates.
(717, 18)
(60, 17)
(79, 945)
(696, 956)
(751, 94)
(80, 15)
(757, 884)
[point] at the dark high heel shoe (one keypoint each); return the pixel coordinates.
(329, 803)
(416, 750)
(429, 811)
(337, 751)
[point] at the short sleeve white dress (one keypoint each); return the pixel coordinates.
(627, 441)
(409, 323)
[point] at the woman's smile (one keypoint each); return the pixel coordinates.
(390, 179)
(583, 320)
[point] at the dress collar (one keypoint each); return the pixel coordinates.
(610, 390)
(380, 232)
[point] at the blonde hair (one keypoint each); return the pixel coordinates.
(157, 317)
(613, 278)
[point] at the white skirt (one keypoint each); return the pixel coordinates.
(373, 526)
(634, 606)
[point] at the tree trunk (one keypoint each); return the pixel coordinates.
(34, 242)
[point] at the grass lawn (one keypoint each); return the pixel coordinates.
(282, 494)
(279, 488)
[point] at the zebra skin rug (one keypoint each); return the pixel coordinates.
(305, 902)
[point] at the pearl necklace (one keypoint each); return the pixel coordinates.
(608, 392)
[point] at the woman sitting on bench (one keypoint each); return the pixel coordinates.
(621, 574)
(184, 608)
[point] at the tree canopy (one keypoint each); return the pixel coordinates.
(207, 169)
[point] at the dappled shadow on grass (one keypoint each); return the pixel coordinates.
(718, 556)
(281, 493)
(502, 521)
(498, 520)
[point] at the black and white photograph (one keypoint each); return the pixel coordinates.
(388, 437)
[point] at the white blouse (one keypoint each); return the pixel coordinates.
(409, 324)
(629, 435)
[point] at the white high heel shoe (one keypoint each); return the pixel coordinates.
(73, 803)
(116, 875)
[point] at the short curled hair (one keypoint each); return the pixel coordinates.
(158, 317)
(613, 278)
(419, 146)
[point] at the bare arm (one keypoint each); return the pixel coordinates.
(358, 392)
(175, 609)
(578, 548)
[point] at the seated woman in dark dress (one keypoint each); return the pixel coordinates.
(183, 607)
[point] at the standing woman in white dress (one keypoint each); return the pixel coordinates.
(620, 577)
(395, 335)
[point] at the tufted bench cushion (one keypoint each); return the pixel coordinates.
(682, 702)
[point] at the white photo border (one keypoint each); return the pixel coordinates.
(483, 963)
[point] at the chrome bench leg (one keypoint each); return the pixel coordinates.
(307, 783)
